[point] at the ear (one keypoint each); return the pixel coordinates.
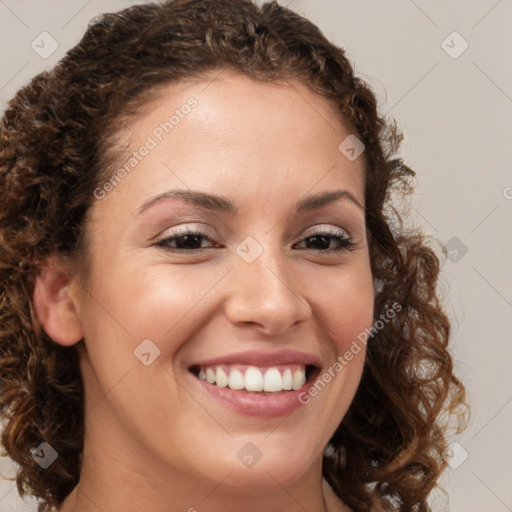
(56, 302)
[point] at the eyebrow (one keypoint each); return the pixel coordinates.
(221, 204)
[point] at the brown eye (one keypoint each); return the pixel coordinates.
(321, 241)
(185, 241)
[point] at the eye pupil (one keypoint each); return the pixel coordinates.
(183, 242)
(325, 241)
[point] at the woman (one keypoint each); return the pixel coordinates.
(208, 299)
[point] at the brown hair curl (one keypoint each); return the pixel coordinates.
(54, 149)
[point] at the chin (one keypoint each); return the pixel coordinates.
(267, 470)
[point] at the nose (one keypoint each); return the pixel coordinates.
(266, 294)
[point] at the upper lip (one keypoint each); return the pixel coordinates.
(262, 358)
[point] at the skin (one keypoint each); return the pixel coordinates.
(154, 439)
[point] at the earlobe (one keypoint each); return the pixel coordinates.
(55, 304)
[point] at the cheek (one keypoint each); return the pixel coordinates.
(156, 302)
(170, 300)
(345, 305)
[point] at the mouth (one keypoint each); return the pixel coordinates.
(260, 380)
(256, 383)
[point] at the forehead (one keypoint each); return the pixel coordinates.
(226, 131)
(229, 103)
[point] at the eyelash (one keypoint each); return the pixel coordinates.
(345, 242)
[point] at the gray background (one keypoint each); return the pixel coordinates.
(455, 111)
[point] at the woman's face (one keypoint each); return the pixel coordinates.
(265, 289)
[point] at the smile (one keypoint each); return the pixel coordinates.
(256, 383)
(273, 379)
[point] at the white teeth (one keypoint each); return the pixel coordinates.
(287, 379)
(253, 379)
(221, 378)
(273, 380)
(299, 379)
(236, 379)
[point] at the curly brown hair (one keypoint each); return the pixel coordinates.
(55, 145)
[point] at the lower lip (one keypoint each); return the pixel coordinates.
(255, 404)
